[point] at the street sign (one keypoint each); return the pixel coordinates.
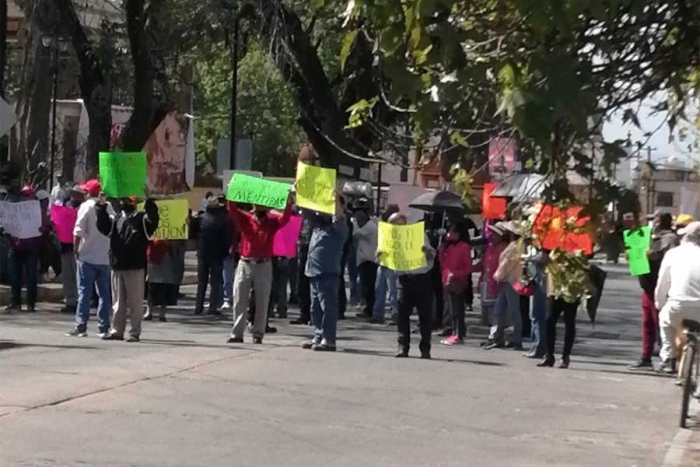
(7, 117)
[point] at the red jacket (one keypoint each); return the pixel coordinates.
(455, 259)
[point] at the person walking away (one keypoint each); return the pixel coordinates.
(24, 255)
(677, 292)
(662, 240)
(364, 232)
(129, 233)
(162, 277)
(456, 264)
(91, 249)
(387, 281)
(257, 230)
(323, 270)
(507, 307)
(561, 302)
(69, 266)
(303, 284)
(212, 229)
(412, 295)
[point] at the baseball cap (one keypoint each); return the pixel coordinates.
(92, 187)
(693, 227)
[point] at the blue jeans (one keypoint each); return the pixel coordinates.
(229, 271)
(354, 276)
(538, 317)
(89, 276)
(385, 277)
(506, 309)
(23, 262)
(324, 306)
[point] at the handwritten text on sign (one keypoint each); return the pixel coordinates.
(172, 219)
(21, 220)
(401, 246)
(316, 188)
(123, 174)
(256, 191)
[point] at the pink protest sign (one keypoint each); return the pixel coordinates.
(285, 243)
(64, 219)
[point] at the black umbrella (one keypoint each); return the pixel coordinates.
(598, 277)
(438, 201)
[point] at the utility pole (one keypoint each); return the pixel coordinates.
(234, 88)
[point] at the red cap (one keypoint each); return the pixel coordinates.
(92, 187)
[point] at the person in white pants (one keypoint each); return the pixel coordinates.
(677, 292)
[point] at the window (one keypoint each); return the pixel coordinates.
(664, 199)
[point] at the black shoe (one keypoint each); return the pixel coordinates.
(310, 344)
(214, 313)
(564, 363)
(269, 330)
(642, 364)
(402, 353)
(234, 340)
(547, 362)
(494, 345)
(148, 317)
(425, 354)
(113, 337)
(258, 340)
(514, 346)
(342, 317)
(447, 332)
(75, 332)
(162, 319)
(282, 315)
(197, 312)
(133, 339)
(30, 309)
(300, 322)
(324, 347)
(13, 309)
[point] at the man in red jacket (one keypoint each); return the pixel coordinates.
(257, 232)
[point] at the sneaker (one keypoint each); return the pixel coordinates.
(234, 340)
(668, 367)
(452, 340)
(30, 309)
(425, 354)
(112, 337)
(76, 333)
(270, 330)
(308, 345)
(13, 309)
(642, 364)
(102, 335)
(226, 306)
(134, 339)
(515, 346)
(324, 346)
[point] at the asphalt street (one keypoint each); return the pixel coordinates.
(182, 397)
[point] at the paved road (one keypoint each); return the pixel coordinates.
(183, 398)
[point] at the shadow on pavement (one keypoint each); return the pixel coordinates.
(377, 353)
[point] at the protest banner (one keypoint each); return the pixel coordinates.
(316, 188)
(172, 219)
(554, 228)
(123, 174)
(260, 192)
(285, 241)
(64, 221)
(401, 246)
(492, 208)
(21, 220)
(637, 243)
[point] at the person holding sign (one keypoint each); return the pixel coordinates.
(323, 270)
(129, 233)
(662, 240)
(412, 294)
(257, 230)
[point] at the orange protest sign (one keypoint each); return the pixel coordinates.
(492, 208)
(556, 229)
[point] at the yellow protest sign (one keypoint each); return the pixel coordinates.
(316, 188)
(401, 246)
(172, 222)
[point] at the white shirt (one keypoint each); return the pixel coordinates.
(679, 276)
(58, 194)
(94, 247)
(366, 240)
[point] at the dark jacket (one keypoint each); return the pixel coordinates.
(661, 242)
(128, 236)
(212, 230)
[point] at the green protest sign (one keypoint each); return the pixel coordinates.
(253, 190)
(637, 243)
(123, 174)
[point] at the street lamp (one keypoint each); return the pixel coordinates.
(234, 88)
(57, 46)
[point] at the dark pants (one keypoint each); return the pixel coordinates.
(558, 307)
(23, 263)
(412, 295)
(650, 324)
(293, 280)
(469, 292)
(368, 277)
(278, 293)
(525, 315)
(49, 256)
(455, 302)
(435, 279)
(303, 290)
(342, 296)
(207, 269)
